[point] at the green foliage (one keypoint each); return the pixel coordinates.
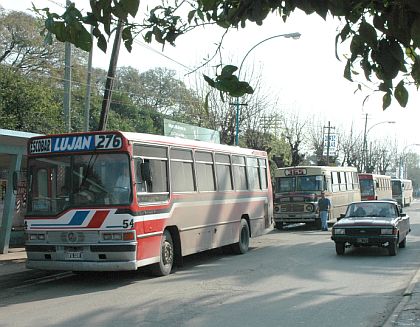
(228, 83)
(379, 31)
(27, 105)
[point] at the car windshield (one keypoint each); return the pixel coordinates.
(369, 209)
(62, 182)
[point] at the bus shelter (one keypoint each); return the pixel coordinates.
(13, 150)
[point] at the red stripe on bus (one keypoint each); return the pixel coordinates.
(97, 219)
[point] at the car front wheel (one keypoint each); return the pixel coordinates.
(339, 248)
(393, 248)
(403, 243)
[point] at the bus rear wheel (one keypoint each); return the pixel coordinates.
(243, 245)
(164, 266)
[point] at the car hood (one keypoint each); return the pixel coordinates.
(365, 221)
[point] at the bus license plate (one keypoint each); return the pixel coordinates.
(362, 240)
(73, 255)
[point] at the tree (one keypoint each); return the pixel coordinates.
(351, 148)
(294, 133)
(28, 106)
(384, 36)
(381, 156)
(23, 48)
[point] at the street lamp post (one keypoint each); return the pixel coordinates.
(401, 167)
(294, 36)
(366, 132)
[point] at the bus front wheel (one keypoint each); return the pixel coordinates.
(164, 266)
(279, 225)
(242, 246)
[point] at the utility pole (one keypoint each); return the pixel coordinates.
(88, 82)
(67, 82)
(329, 128)
(364, 150)
(106, 102)
(238, 105)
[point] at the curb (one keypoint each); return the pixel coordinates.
(406, 298)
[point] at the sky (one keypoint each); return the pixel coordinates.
(304, 74)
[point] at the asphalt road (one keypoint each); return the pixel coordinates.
(288, 278)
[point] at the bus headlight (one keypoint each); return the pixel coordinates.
(339, 231)
(309, 207)
(119, 236)
(276, 209)
(35, 236)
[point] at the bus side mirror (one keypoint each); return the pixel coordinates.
(145, 172)
(15, 182)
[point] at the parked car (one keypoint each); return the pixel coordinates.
(372, 223)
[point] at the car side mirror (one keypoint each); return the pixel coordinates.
(342, 215)
(403, 214)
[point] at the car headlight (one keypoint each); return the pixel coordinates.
(339, 231)
(387, 231)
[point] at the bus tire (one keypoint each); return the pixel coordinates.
(279, 225)
(243, 245)
(164, 266)
(318, 223)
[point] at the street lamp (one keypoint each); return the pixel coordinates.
(365, 138)
(401, 168)
(294, 36)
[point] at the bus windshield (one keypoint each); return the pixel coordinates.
(366, 187)
(396, 188)
(57, 183)
(299, 183)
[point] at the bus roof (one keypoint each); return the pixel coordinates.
(373, 176)
(152, 139)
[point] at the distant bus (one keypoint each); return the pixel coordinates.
(402, 191)
(297, 190)
(375, 187)
(107, 201)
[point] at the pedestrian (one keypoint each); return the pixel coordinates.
(324, 209)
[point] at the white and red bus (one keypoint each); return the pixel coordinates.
(107, 201)
(375, 187)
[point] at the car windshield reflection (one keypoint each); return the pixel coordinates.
(382, 210)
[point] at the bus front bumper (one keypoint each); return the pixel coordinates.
(82, 266)
(295, 217)
(82, 257)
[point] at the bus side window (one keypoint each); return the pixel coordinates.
(140, 183)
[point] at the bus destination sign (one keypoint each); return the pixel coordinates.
(295, 171)
(75, 143)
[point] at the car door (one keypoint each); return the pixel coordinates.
(404, 224)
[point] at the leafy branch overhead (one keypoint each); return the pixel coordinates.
(229, 83)
(384, 35)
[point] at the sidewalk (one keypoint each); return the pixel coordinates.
(13, 262)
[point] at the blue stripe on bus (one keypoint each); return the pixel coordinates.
(78, 218)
